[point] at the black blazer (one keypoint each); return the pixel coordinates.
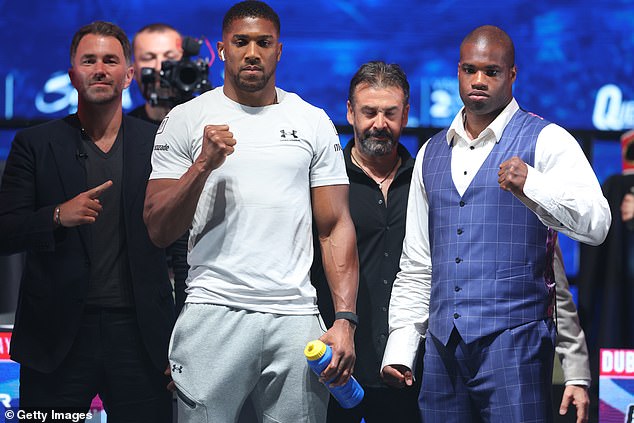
(44, 169)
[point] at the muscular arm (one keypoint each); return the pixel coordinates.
(170, 203)
(339, 252)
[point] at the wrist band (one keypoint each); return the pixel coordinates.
(56, 217)
(347, 315)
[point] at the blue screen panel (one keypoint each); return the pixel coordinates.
(606, 159)
(574, 59)
(6, 137)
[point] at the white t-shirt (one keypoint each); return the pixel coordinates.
(250, 244)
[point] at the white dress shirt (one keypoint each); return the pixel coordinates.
(562, 190)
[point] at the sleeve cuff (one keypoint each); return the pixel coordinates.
(578, 382)
(402, 348)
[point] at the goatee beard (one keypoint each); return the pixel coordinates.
(370, 146)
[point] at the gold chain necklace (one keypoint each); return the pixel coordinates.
(380, 184)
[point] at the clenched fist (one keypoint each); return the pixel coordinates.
(512, 175)
(218, 143)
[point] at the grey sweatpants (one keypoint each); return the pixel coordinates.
(221, 355)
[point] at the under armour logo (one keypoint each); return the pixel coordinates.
(285, 133)
(176, 368)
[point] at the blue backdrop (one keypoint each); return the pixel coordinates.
(575, 58)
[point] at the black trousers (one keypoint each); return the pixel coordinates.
(380, 405)
(108, 358)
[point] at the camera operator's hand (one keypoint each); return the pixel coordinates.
(218, 143)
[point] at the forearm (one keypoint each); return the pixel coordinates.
(408, 314)
(580, 212)
(571, 341)
(571, 344)
(411, 291)
(170, 204)
(26, 218)
(341, 265)
(563, 189)
(408, 317)
(573, 354)
(409, 301)
(33, 231)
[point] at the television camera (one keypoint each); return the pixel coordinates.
(178, 80)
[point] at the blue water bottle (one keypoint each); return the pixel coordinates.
(319, 355)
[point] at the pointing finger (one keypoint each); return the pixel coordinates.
(97, 191)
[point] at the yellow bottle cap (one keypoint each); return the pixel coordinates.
(315, 350)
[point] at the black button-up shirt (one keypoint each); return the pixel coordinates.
(380, 231)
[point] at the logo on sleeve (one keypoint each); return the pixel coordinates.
(162, 125)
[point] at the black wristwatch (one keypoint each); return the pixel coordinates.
(347, 315)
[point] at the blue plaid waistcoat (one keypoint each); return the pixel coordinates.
(488, 249)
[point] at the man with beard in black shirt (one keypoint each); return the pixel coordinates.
(380, 170)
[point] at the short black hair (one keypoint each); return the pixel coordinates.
(380, 74)
(251, 9)
(107, 29)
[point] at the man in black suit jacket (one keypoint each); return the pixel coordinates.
(95, 308)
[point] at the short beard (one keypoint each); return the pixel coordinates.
(374, 148)
(252, 85)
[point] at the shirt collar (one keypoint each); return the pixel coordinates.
(496, 127)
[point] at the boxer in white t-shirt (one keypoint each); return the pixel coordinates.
(247, 167)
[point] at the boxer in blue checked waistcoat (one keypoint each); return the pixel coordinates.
(489, 261)
(476, 278)
(488, 249)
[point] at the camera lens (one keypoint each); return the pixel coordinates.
(148, 75)
(187, 77)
